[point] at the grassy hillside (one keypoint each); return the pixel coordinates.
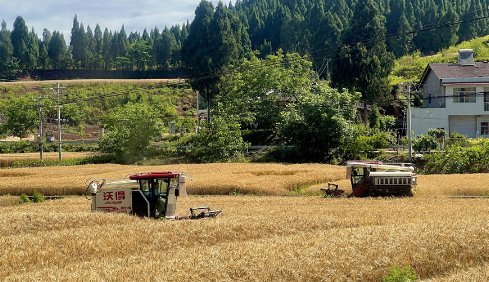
(411, 67)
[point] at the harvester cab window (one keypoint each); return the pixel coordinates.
(160, 189)
(357, 175)
(144, 186)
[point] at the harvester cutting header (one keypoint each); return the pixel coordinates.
(373, 178)
(146, 195)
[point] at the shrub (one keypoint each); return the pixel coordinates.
(425, 143)
(218, 141)
(400, 274)
(37, 197)
(24, 199)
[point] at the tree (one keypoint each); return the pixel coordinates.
(78, 43)
(218, 141)
(131, 130)
(8, 64)
(164, 47)
(318, 121)
(22, 116)
(139, 54)
(214, 42)
(257, 95)
(21, 41)
(363, 63)
(57, 51)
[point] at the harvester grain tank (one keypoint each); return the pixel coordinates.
(146, 195)
(373, 178)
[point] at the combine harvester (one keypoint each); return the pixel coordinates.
(372, 178)
(145, 195)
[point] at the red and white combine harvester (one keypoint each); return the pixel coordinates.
(146, 195)
(373, 178)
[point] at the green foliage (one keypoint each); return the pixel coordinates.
(425, 143)
(457, 139)
(37, 197)
(437, 133)
(363, 65)
(400, 274)
(318, 121)
(387, 122)
(257, 95)
(374, 118)
(361, 146)
(24, 199)
(217, 141)
(131, 130)
(432, 141)
(22, 116)
(473, 158)
(68, 162)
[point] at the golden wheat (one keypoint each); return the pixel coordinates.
(227, 178)
(255, 239)
(262, 179)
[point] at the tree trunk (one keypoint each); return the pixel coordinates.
(365, 112)
(208, 105)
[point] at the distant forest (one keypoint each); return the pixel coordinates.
(307, 27)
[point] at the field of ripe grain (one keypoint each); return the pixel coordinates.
(214, 179)
(225, 179)
(254, 239)
(8, 159)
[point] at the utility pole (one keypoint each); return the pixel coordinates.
(41, 149)
(409, 122)
(56, 89)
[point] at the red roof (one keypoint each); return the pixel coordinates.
(151, 175)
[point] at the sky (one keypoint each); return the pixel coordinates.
(136, 15)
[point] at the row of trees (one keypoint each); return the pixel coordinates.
(307, 27)
(22, 50)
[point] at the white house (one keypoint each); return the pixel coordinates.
(456, 98)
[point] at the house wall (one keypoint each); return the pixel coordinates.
(452, 115)
(433, 86)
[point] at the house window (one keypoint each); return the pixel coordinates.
(464, 95)
(484, 128)
(486, 99)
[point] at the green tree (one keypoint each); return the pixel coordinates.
(363, 63)
(139, 54)
(57, 51)
(131, 130)
(22, 116)
(256, 96)
(218, 141)
(318, 121)
(21, 41)
(79, 44)
(215, 41)
(8, 64)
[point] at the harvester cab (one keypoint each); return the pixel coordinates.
(373, 178)
(145, 195)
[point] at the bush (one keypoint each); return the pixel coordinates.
(217, 141)
(24, 199)
(400, 274)
(37, 197)
(425, 143)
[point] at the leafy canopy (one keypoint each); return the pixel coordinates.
(318, 121)
(131, 130)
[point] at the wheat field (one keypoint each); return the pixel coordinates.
(227, 178)
(272, 234)
(256, 238)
